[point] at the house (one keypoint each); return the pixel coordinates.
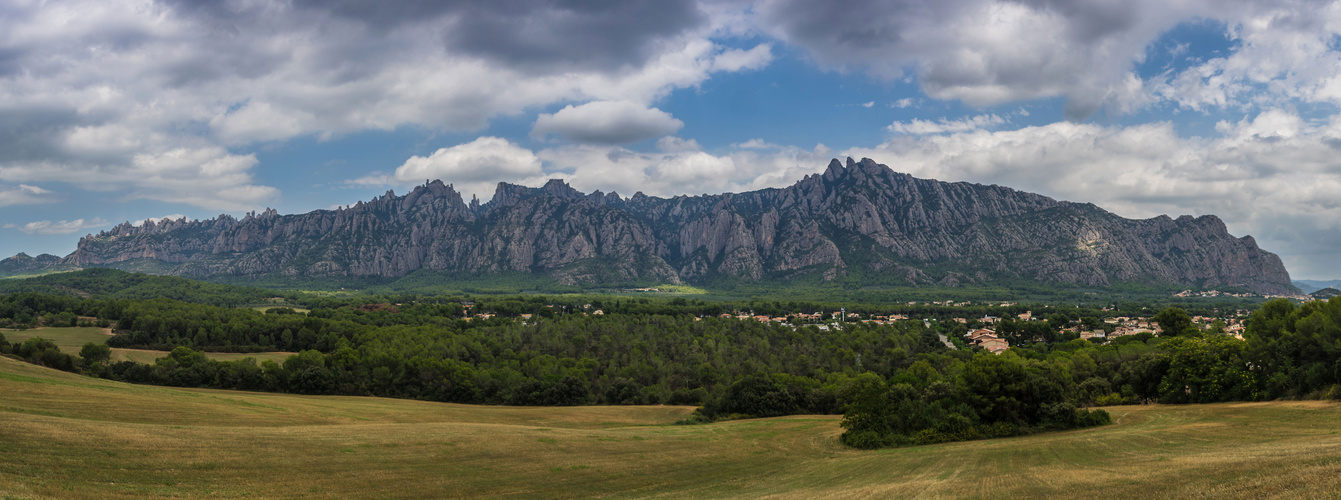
(1097, 334)
(995, 346)
(975, 334)
(598, 312)
(1026, 316)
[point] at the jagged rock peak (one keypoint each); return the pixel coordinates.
(856, 217)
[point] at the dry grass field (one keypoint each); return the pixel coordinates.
(67, 436)
(71, 340)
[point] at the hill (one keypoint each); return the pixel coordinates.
(23, 264)
(860, 224)
(69, 436)
(1310, 286)
(1325, 293)
(115, 284)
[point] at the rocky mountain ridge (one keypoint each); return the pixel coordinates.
(857, 221)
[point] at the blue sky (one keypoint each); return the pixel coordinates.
(122, 111)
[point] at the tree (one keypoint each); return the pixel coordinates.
(95, 353)
(1174, 321)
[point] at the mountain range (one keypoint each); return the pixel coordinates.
(858, 222)
(1310, 286)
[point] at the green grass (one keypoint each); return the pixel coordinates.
(71, 340)
(66, 436)
(682, 289)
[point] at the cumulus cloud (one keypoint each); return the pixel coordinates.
(23, 194)
(486, 158)
(680, 171)
(90, 91)
(1273, 175)
(918, 126)
(987, 52)
(733, 60)
(472, 168)
(606, 122)
(156, 220)
(205, 177)
(61, 227)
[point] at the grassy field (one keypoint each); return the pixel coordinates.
(71, 340)
(66, 436)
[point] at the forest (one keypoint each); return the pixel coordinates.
(896, 383)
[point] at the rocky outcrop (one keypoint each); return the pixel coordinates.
(859, 220)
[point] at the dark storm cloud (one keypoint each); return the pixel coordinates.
(32, 133)
(856, 31)
(981, 51)
(586, 34)
(535, 34)
(1091, 20)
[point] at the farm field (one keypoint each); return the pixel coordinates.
(67, 436)
(71, 340)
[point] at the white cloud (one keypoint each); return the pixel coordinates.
(686, 171)
(755, 143)
(903, 103)
(156, 220)
(920, 127)
(733, 60)
(988, 52)
(1272, 175)
(101, 86)
(482, 161)
(868, 104)
(23, 194)
(606, 122)
(672, 144)
(61, 227)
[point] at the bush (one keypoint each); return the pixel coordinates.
(694, 419)
(1113, 399)
(755, 395)
(686, 397)
(1092, 418)
(864, 440)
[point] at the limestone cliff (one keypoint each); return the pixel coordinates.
(858, 220)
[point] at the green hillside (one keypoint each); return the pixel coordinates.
(67, 436)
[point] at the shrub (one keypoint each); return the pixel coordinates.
(1092, 418)
(1113, 399)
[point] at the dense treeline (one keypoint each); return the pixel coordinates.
(897, 383)
(571, 360)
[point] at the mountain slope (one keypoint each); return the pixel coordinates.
(25, 264)
(860, 221)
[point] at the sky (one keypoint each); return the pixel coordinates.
(115, 111)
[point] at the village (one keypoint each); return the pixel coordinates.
(978, 332)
